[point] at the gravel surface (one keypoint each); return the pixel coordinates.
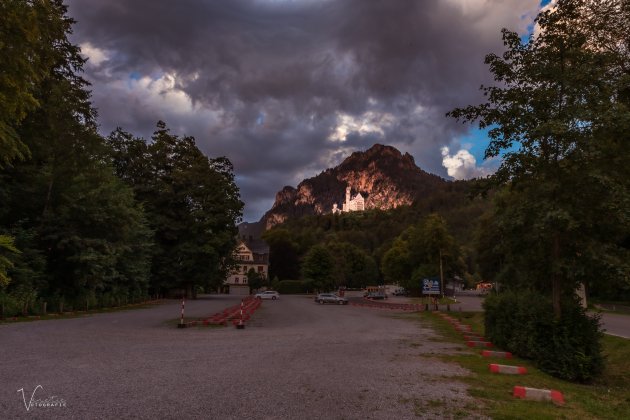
(294, 359)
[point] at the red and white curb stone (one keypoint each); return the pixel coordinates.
(536, 394)
(508, 369)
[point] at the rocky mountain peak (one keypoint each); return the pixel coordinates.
(382, 174)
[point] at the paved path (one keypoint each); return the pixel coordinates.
(613, 324)
(294, 360)
(617, 325)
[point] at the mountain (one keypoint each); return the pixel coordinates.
(382, 175)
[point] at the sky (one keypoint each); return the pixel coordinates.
(288, 88)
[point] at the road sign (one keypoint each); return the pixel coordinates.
(431, 286)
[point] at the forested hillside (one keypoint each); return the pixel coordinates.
(361, 245)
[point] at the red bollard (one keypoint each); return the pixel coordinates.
(240, 324)
(181, 320)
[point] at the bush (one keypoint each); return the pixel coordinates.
(292, 286)
(523, 323)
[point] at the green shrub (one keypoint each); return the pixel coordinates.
(523, 323)
(292, 286)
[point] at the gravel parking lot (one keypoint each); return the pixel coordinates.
(295, 359)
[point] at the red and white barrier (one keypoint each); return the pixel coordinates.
(536, 394)
(240, 324)
(463, 328)
(181, 319)
(238, 314)
(507, 369)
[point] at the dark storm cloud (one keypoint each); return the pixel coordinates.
(267, 83)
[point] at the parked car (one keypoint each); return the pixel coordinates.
(331, 298)
(376, 295)
(268, 294)
(401, 292)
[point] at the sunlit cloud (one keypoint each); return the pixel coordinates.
(369, 123)
(96, 56)
(462, 165)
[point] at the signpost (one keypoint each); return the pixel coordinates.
(431, 286)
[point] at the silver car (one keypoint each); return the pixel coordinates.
(331, 298)
(268, 294)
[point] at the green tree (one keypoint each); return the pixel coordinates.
(79, 229)
(284, 261)
(192, 203)
(255, 280)
(423, 250)
(318, 267)
(98, 240)
(6, 246)
(396, 264)
(33, 36)
(439, 249)
(353, 267)
(560, 114)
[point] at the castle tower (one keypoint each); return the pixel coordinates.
(356, 203)
(347, 203)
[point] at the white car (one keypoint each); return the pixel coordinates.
(268, 294)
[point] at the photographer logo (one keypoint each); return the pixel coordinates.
(51, 402)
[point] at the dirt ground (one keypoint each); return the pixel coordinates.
(295, 359)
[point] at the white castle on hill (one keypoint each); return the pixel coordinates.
(356, 203)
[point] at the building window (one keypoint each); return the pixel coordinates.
(261, 269)
(236, 280)
(245, 280)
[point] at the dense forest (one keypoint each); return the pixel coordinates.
(87, 221)
(362, 246)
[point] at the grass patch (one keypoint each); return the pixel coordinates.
(77, 314)
(435, 403)
(607, 398)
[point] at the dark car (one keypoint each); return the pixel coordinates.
(401, 292)
(331, 298)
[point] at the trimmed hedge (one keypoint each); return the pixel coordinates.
(292, 286)
(523, 323)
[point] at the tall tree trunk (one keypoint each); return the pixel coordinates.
(48, 195)
(556, 280)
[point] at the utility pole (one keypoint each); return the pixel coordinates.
(441, 276)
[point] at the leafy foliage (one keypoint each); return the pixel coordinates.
(32, 41)
(523, 323)
(191, 201)
(318, 268)
(293, 286)
(367, 245)
(283, 254)
(354, 268)
(6, 246)
(255, 280)
(423, 250)
(72, 233)
(560, 114)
